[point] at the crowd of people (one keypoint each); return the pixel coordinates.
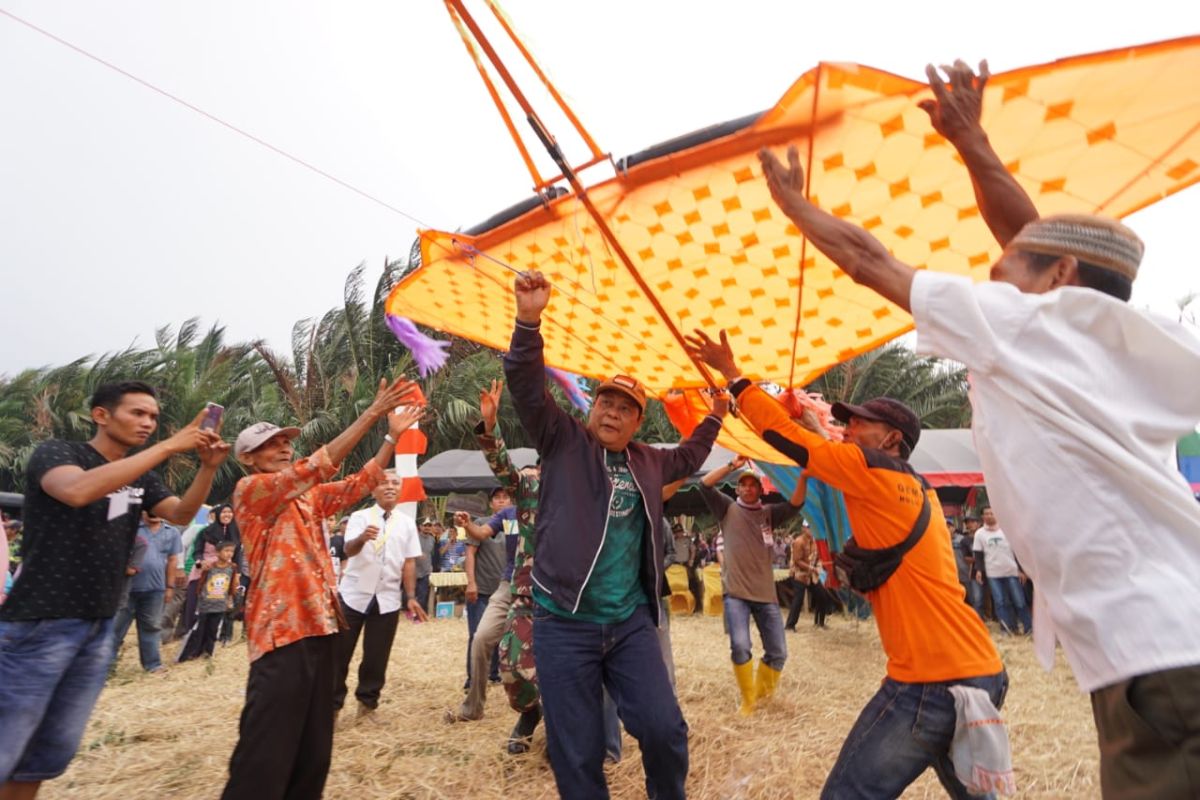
(566, 579)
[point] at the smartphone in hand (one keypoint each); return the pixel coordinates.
(212, 417)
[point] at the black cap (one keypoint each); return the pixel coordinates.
(885, 410)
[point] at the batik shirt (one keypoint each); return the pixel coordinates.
(293, 592)
(524, 490)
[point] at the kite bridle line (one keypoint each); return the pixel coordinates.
(804, 239)
(471, 252)
(455, 7)
(1103, 207)
(214, 118)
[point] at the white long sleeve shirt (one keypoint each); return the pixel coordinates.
(1078, 402)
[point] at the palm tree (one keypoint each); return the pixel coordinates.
(936, 390)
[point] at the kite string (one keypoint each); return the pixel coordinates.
(278, 150)
(812, 132)
(472, 252)
(212, 117)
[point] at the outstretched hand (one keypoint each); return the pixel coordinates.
(533, 294)
(718, 355)
(786, 183)
(958, 102)
(399, 392)
(193, 437)
(213, 451)
(402, 420)
(489, 405)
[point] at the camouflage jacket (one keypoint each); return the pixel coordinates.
(524, 491)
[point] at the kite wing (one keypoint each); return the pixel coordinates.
(1107, 133)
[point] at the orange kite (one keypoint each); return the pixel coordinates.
(694, 240)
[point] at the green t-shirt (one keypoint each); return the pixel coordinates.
(613, 591)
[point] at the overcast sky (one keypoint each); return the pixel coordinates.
(121, 210)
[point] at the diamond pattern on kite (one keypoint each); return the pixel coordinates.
(1100, 133)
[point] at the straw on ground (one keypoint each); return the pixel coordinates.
(171, 736)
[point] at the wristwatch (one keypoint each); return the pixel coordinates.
(387, 437)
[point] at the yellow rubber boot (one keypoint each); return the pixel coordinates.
(745, 680)
(766, 679)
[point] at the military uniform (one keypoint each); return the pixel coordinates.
(517, 669)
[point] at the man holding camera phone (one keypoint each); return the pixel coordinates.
(82, 508)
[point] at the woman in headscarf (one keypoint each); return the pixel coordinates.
(222, 528)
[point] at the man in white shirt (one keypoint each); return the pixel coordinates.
(1004, 576)
(1078, 401)
(381, 552)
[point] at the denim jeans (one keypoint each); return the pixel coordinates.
(905, 728)
(770, 629)
(147, 607)
(474, 614)
(1007, 594)
(422, 595)
(975, 596)
(576, 661)
(855, 603)
(51, 673)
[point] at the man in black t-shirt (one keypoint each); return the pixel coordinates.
(83, 502)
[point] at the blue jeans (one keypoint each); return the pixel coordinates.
(770, 628)
(51, 673)
(1007, 594)
(576, 661)
(147, 607)
(422, 588)
(474, 614)
(905, 728)
(975, 596)
(855, 603)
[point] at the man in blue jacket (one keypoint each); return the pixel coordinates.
(597, 571)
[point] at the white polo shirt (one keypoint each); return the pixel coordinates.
(378, 569)
(1078, 402)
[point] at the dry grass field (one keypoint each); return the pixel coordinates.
(170, 736)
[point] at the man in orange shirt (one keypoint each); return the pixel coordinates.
(933, 639)
(285, 737)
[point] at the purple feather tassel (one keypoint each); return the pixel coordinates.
(570, 384)
(430, 354)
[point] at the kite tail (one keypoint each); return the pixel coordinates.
(572, 386)
(429, 353)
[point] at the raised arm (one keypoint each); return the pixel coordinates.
(839, 464)
(525, 368)
(801, 492)
(333, 498)
(492, 443)
(387, 398)
(715, 476)
(182, 510)
(858, 253)
(955, 113)
(683, 461)
(77, 487)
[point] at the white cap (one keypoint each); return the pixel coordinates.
(258, 434)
